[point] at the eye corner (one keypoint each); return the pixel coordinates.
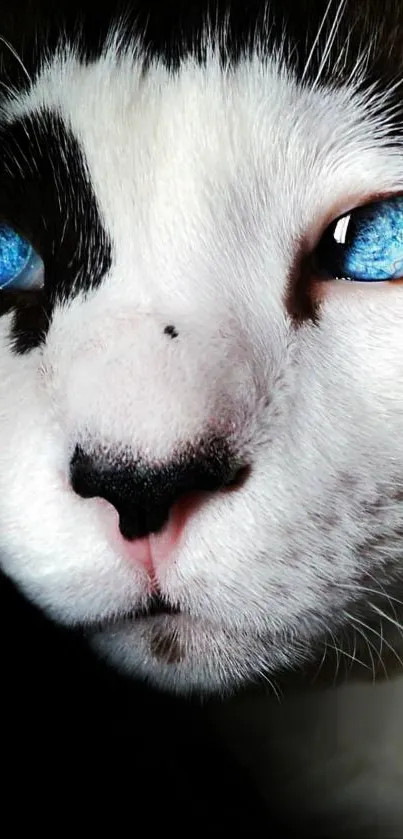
(301, 304)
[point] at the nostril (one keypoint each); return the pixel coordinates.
(84, 478)
(138, 522)
(237, 479)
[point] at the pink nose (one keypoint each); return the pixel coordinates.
(157, 548)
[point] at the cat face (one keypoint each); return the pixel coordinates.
(201, 461)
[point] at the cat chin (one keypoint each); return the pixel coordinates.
(185, 655)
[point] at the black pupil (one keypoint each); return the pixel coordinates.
(330, 254)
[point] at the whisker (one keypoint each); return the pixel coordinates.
(352, 658)
(354, 654)
(274, 687)
(316, 41)
(369, 643)
(321, 663)
(395, 623)
(374, 591)
(331, 39)
(14, 53)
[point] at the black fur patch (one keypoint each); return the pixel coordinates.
(46, 194)
(31, 318)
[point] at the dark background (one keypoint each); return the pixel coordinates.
(82, 742)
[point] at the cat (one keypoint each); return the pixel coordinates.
(201, 377)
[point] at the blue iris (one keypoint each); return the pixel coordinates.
(364, 245)
(20, 265)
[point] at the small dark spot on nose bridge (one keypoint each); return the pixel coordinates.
(171, 330)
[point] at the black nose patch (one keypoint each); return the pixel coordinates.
(144, 494)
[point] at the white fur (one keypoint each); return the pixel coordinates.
(208, 181)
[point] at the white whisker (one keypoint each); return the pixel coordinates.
(369, 643)
(395, 623)
(315, 43)
(330, 40)
(273, 686)
(14, 53)
(321, 662)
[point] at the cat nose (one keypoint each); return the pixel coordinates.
(144, 494)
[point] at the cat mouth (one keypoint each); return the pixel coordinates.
(161, 620)
(155, 607)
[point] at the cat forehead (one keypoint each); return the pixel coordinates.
(253, 127)
(130, 155)
(236, 90)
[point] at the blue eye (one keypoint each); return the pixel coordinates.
(365, 245)
(20, 266)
